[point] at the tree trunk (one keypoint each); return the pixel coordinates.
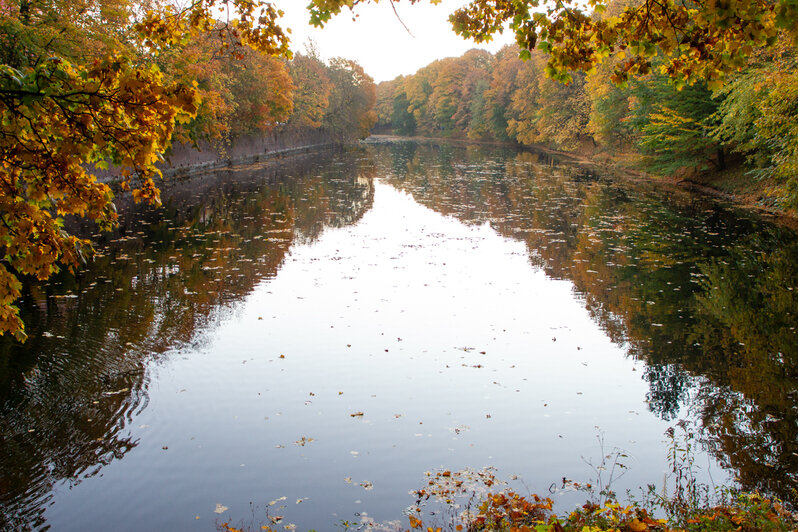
(721, 158)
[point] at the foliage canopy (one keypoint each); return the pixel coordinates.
(703, 40)
(695, 40)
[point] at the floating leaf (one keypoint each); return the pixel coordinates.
(303, 440)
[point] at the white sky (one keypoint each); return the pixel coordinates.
(377, 39)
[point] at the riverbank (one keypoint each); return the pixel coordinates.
(190, 170)
(734, 185)
(188, 160)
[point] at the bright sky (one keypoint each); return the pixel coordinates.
(379, 42)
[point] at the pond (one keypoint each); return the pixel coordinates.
(323, 331)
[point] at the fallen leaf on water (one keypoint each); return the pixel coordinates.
(281, 356)
(303, 440)
(117, 392)
(356, 414)
(272, 503)
(220, 509)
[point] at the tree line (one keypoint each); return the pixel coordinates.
(246, 93)
(666, 125)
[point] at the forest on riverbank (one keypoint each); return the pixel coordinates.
(111, 86)
(745, 129)
(239, 91)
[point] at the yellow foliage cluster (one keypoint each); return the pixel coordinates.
(56, 118)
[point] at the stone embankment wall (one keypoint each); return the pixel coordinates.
(185, 159)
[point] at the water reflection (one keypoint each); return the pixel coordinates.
(68, 396)
(705, 295)
(701, 294)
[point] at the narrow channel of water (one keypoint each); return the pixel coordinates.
(323, 331)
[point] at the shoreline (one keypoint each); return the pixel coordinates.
(608, 163)
(187, 171)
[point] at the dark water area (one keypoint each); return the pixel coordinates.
(319, 332)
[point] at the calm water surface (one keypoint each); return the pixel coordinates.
(323, 331)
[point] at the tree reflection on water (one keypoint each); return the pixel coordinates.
(704, 295)
(68, 395)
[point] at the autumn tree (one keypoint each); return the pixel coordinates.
(77, 88)
(499, 93)
(608, 121)
(312, 87)
(757, 118)
(674, 127)
(564, 112)
(402, 119)
(262, 92)
(525, 102)
(199, 62)
(384, 105)
(418, 89)
(692, 40)
(393, 108)
(350, 114)
(471, 114)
